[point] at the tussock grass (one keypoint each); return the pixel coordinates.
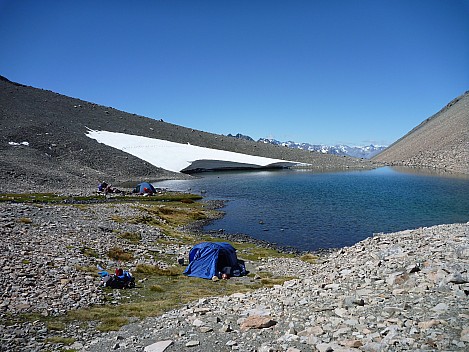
(119, 254)
(112, 323)
(132, 237)
(89, 269)
(309, 258)
(60, 339)
(89, 252)
(55, 325)
(156, 288)
(25, 220)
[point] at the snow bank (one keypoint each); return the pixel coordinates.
(179, 157)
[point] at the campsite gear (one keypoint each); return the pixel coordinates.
(121, 279)
(209, 259)
(102, 186)
(144, 188)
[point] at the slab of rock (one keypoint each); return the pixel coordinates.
(257, 322)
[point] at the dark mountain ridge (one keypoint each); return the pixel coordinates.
(57, 154)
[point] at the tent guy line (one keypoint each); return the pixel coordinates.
(179, 157)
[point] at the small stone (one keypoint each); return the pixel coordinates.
(192, 343)
(465, 335)
(440, 307)
(159, 346)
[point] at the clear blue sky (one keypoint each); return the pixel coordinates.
(328, 71)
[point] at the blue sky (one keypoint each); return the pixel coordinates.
(332, 71)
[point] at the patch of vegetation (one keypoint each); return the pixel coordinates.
(309, 258)
(176, 214)
(132, 237)
(55, 325)
(118, 219)
(156, 288)
(119, 254)
(89, 269)
(158, 294)
(54, 198)
(145, 220)
(112, 323)
(89, 252)
(60, 339)
(25, 220)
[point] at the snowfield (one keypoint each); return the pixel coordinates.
(179, 157)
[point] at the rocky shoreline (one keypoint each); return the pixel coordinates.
(391, 292)
(401, 291)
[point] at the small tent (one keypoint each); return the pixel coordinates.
(144, 187)
(207, 259)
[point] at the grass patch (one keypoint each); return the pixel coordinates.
(25, 220)
(55, 325)
(112, 323)
(54, 198)
(60, 339)
(118, 219)
(309, 258)
(119, 254)
(158, 294)
(89, 269)
(89, 252)
(173, 213)
(132, 237)
(156, 288)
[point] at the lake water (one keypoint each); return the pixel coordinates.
(309, 210)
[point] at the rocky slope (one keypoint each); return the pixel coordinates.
(391, 292)
(440, 142)
(43, 143)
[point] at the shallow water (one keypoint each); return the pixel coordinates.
(309, 210)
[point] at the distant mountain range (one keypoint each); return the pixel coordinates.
(366, 152)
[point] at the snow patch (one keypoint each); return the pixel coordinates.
(179, 157)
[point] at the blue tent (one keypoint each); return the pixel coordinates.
(140, 188)
(207, 259)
